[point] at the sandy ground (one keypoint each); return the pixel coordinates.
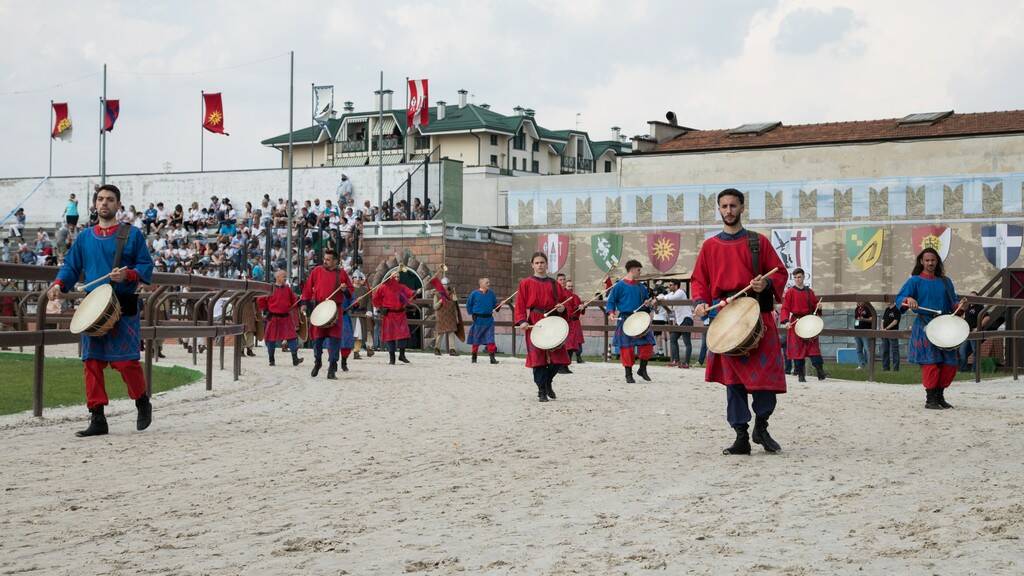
(444, 467)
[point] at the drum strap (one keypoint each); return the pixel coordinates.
(122, 238)
(766, 299)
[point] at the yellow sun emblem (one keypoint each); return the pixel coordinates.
(663, 249)
(63, 125)
(214, 118)
(931, 241)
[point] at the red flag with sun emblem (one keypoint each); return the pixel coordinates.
(213, 115)
(663, 250)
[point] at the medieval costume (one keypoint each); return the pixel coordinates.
(279, 309)
(480, 306)
(624, 298)
(538, 295)
(448, 317)
(938, 366)
(391, 298)
(797, 303)
(320, 285)
(574, 341)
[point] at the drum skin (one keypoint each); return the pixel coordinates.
(549, 333)
(809, 326)
(947, 332)
(737, 328)
(97, 312)
(325, 314)
(637, 324)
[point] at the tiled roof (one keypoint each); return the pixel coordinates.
(954, 125)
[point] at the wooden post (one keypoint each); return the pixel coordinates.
(40, 357)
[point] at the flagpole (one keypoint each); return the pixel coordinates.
(312, 121)
(291, 161)
(202, 136)
(405, 141)
(380, 144)
(50, 171)
(103, 133)
(99, 146)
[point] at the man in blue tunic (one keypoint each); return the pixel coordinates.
(480, 305)
(928, 287)
(625, 298)
(118, 250)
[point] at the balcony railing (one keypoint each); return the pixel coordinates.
(390, 143)
(572, 165)
(353, 146)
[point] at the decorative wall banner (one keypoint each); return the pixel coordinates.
(663, 250)
(606, 248)
(793, 246)
(864, 246)
(937, 237)
(1001, 243)
(556, 247)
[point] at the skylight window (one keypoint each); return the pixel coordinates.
(756, 128)
(923, 118)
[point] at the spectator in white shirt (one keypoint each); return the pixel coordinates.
(682, 316)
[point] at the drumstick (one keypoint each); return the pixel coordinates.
(104, 277)
(957, 309)
(744, 291)
(510, 296)
(596, 296)
(932, 310)
(371, 290)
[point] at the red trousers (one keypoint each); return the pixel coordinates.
(96, 389)
(642, 352)
(491, 348)
(937, 375)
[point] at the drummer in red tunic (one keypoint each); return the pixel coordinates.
(279, 308)
(323, 281)
(538, 295)
(725, 265)
(799, 301)
(391, 298)
(574, 342)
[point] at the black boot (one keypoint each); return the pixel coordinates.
(801, 372)
(270, 354)
(931, 399)
(332, 371)
(401, 356)
(145, 408)
(563, 369)
(761, 436)
(549, 390)
(629, 375)
(473, 360)
(295, 358)
(742, 443)
(344, 364)
(642, 372)
(391, 355)
(493, 359)
(249, 352)
(940, 396)
(317, 365)
(97, 424)
(542, 393)
(821, 372)
(579, 357)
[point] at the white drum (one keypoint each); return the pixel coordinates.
(97, 313)
(637, 324)
(549, 333)
(325, 314)
(809, 326)
(947, 331)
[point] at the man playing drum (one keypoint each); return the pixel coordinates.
(798, 302)
(574, 342)
(94, 254)
(538, 295)
(323, 281)
(391, 298)
(625, 298)
(726, 264)
(279, 310)
(480, 305)
(929, 287)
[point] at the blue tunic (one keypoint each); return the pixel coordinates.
(93, 256)
(935, 293)
(481, 306)
(624, 298)
(348, 335)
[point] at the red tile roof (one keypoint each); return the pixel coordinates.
(849, 132)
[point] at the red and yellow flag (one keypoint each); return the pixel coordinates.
(213, 115)
(61, 122)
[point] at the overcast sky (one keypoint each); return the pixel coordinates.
(717, 64)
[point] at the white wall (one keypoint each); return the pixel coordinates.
(47, 204)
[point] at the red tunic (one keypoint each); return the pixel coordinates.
(575, 339)
(724, 266)
(391, 298)
(799, 303)
(280, 301)
(319, 285)
(537, 296)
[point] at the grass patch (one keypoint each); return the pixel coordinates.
(64, 382)
(908, 374)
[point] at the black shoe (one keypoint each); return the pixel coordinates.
(332, 371)
(160, 354)
(629, 375)
(401, 356)
(344, 364)
(145, 408)
(789, 370)
(473, 359)
(579, 358)
(761, 436)
(542, 394)
(821, 372)
(801, 374)
(295, 359)
(642, 372)
(249, 352)
(271, 360)
(317, 365)
(563, 369)
(437, 351)
(356, 356)
(931, 400)
(493, 359)
(97, 424)
(742, 443)
(391, 355)
(940, 396)
(369, 352)
(549, 391)
(452, 352)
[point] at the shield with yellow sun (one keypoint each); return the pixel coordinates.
(663, 250)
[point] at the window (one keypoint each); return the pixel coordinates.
(535, 166)
(422, 142)
(519, 141)
(494, 139)
(515, 163)
(494, 160)
(536, 146)
(607, 165)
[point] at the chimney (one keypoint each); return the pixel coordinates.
(518, 110)
(349, 106)
(441, 105)
(529, 112)
(485, 106)
(616, 133)
(387, 99)
(462, 98)
(376, 100)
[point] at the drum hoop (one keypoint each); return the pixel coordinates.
(326, 304)
(715, 330)
(550, 322)
(640, 316)
(89, 312)
(947, 323)
(820, 325)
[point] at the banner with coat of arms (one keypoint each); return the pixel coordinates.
(1001, 243)
(663, 250)
(556, 247)
(937, 237)
(793, 245)
(606, 248)
(864, 246)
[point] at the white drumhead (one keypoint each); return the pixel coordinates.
(324, 313)
(733, 325)
(809, 326)
(947, 331)
(636, 324)
(91, 308)
(549, 333)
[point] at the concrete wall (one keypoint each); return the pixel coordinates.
(463, 147)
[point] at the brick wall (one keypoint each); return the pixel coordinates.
(467, 261)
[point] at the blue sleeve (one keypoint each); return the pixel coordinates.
(952, 292)
(614, 296)
(142, 261)
(909, 290)
(471, 302)
(71, 271)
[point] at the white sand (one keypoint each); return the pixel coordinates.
(444, 467)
